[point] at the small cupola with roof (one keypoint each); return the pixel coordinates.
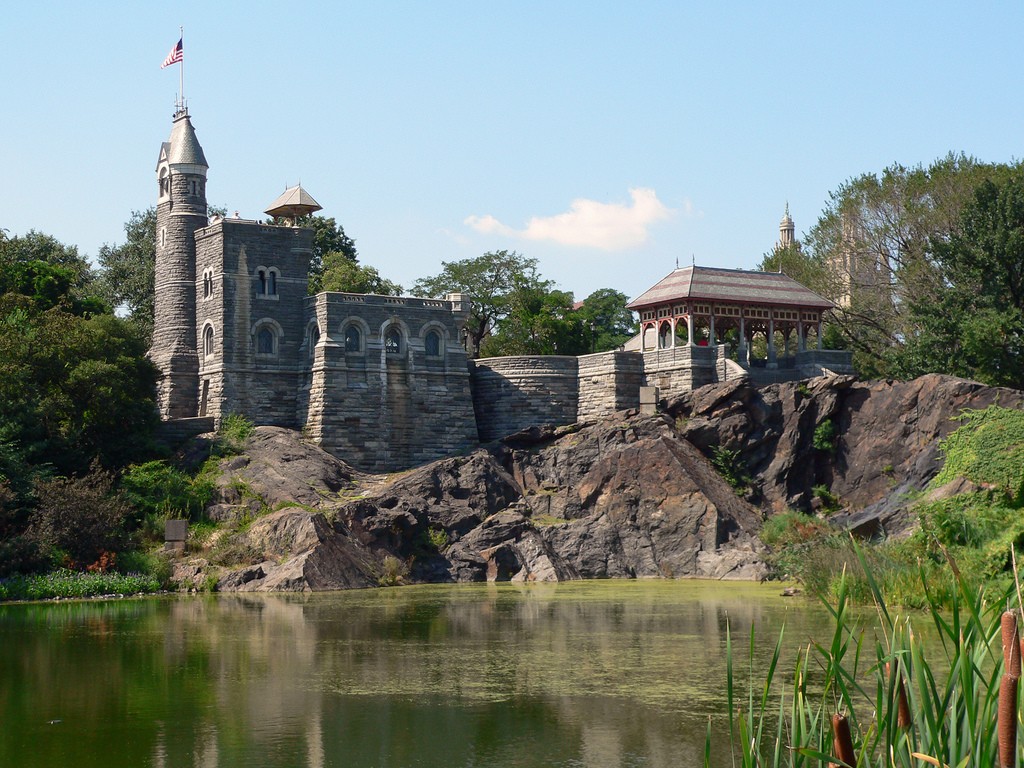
(292, 205)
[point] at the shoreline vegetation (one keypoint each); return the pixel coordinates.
(884, 699)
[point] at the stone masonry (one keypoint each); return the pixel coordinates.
(383, 382)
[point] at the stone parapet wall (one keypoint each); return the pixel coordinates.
(381, 409)
(608, 382)
(512, 393)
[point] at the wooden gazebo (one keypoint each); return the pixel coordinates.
(716, 300)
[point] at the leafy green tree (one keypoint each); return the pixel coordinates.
(874, 245)
(605, 321)
(540, 321)
(127, 270)
(36, 246)
(974, 325)
(328, 237)
(490, 280)
(341, 273)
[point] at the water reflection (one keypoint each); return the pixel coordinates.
(594, 674)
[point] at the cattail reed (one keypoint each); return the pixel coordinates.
(1011, 644)
(842, 743)
(1007, 721)
(903, 718)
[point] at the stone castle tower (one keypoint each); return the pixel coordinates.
(181, 210)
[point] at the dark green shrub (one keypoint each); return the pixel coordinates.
(825, 437)
(158, 489)
(77, 520)
(731, 467)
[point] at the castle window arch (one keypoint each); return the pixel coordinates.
(353, 338)
(312, 338)
(432, 343)
(267, 335)
(265, 341)
(267, 279)
(208, 341)
(393, 340)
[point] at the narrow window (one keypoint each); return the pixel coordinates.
(314, 338)
(393, 341)
(261, 289)
(272, 283)
(353, 342)
(433, 344)
(208, 341)
(265, 341)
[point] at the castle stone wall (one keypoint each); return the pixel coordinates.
(238, 376)
(384, 407)
(609, 382)
(512, 393)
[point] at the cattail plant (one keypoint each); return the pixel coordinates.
(901, 708)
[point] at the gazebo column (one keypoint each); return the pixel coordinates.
(741, 352)
(712, 341)
(819, 334)
(801, 338)
(773, 360)
(673, 324)
(689, 329)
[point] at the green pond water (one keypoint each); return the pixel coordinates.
(576, 674)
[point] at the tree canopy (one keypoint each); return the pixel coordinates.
(872, 250)
(127, 270)
(972, 323)
(341, 273)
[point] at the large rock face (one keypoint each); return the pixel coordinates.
(625, 498)
(886, 444)
(631, 496)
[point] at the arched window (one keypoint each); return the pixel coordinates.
(353, 339)
(432, 344)
(393, 341)
(272, 283)
(208, 341)
(265, 341)
(261, 286)
(314, 338)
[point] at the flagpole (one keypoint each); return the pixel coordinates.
(181, 68)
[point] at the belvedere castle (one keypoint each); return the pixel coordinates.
(385, 382)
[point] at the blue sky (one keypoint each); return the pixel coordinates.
(604, 139)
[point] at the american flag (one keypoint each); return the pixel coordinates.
(174, 56)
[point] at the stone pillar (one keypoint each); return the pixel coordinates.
(712, 341)
(819, 334)
(689, 329)
(801, 338)
(673, 325)
(742, 350)
(773, 360)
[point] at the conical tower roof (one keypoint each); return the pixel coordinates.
(184, 146)
(293, 203)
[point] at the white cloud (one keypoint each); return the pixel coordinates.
(589, 223)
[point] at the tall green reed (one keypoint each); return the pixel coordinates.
(950, 694)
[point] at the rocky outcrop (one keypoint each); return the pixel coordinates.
(884, 449)
(629, 496)
(625, 498)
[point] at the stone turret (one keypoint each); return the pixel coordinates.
(181, 210)
(787, 230)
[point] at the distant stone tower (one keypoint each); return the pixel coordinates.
(181, 210)
(787, 231)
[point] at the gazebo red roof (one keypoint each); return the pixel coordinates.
(736, 286)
